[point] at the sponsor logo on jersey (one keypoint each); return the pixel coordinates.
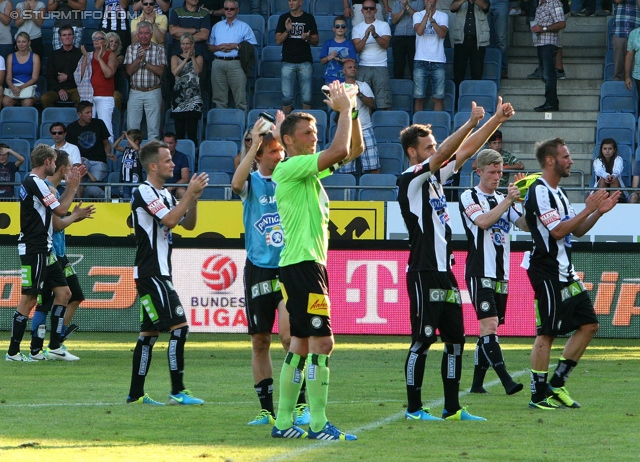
(471, 209)
(550, 217)
(49, 199)
(319, 305)
(156, 206)
(267, 221)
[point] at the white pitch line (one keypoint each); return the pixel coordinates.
(370, 426)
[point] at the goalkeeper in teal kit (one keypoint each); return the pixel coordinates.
(304, 214)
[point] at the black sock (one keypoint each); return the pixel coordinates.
(538, 386)
(17, 332)
(482, 364)
(57, 323)
(175, 354)
(264, 389)
(141, 362)
(561, 374)
(491, 348)
(451, 369)
(414, 375)
(302, 399)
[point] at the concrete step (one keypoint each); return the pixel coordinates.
(531, 132)
(568, 52)
(589, 25)
(568, 101)
(576, 68)
(568, 84)
(569, 39)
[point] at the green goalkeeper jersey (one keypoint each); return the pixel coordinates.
(304, 210)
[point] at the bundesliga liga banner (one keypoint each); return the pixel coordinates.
(367, 290)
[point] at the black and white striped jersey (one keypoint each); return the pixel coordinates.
(488, 252)
(426, 216)
(545, 209)
(36, 205)
(148, 207)
(114, 17)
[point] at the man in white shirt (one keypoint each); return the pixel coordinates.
(431, 28)
(371, 39)
(58, 132)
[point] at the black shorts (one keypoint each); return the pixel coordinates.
(561, 307)
(160, 306)
(262, 296)
(489, 297)
(305, 288)
(45, 302)
(435, 303)
(38, 269)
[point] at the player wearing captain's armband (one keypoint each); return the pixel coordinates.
(562, 303)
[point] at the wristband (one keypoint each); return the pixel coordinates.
(354, 114)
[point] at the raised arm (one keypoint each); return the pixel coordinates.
(336, 153)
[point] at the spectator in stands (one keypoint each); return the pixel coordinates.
(626, 19)
(181, 171)
(631, 65)
(23, 70)
(115, 19)
(591, 7)
(297, 32)
(98, 69)
(509, 161)
(470, 35)
(186, 101)
(246, 145)
(159, 6)
(60, 68)
(215, 8)
(226, 69)
(68, 13)
(131, 169)
(634, 197)
(371, 39)
(431, 28)
(115, 46)
(608, 167)
(8, 170)
(499, 27)
(336, 50)
(355, 11)
(549, 21)
(58, 132)
(92, 138)
(404, 35)
(364, 105)
(158, 21)
(29, 17)
(145, 62)
(195, 20)
(6, 40)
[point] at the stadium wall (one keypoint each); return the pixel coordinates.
(367, 286)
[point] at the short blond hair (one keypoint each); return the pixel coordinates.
(488, 157)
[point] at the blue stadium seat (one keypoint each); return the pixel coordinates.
(461, 118)
(347, 190)
(402, 95)
(19, 122)
(325, 28)
(440, 123)
(217, 156)
(245, 7)
(327, 8)
(271, 61)
(225, 125)
(252, 116)
(256, 22)
(620, 126)
(448, 69)
(492, 66)
(188, 148)
(390, 62)
(66, 115)
(114, 177)
(387, 125)
(608, 65)
(483, 92)
(268, 93)
(386, 190)
(614, 97)
(218, 193)
(18, 179)
(23, 148)
(610, 33)
(392, 158)
(272, 23)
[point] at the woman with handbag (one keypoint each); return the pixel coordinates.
(100, 68)
(23, 69)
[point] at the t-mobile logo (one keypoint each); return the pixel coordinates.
(371, 284)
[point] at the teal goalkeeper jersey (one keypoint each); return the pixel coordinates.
(304, 210)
